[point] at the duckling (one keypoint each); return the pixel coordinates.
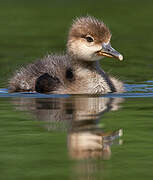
(78, 70)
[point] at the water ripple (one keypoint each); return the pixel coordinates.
(144, 89)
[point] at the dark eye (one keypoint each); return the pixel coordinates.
(89, 39)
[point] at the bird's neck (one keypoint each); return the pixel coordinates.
(90, 65)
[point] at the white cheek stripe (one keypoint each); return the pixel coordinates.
(84, 52)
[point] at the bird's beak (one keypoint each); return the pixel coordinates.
(108, 51)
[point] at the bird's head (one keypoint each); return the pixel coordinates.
(89, 40)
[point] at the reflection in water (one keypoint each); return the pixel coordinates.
(80, 116)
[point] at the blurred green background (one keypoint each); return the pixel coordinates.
(29, 29)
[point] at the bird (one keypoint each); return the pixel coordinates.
(78, 70)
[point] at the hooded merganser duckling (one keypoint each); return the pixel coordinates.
(76, 72)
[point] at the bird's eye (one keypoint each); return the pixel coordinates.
(89, 38)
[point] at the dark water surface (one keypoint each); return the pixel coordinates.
(77, 137)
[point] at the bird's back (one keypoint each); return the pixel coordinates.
(54, 66)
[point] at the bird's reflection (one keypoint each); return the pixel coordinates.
(81, 117)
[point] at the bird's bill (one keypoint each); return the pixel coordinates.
(108, 51)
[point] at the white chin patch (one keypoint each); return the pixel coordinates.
(86, 53)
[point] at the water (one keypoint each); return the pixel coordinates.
(77, 137)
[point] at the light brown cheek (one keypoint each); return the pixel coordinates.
(82, 41)
(73, 47)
